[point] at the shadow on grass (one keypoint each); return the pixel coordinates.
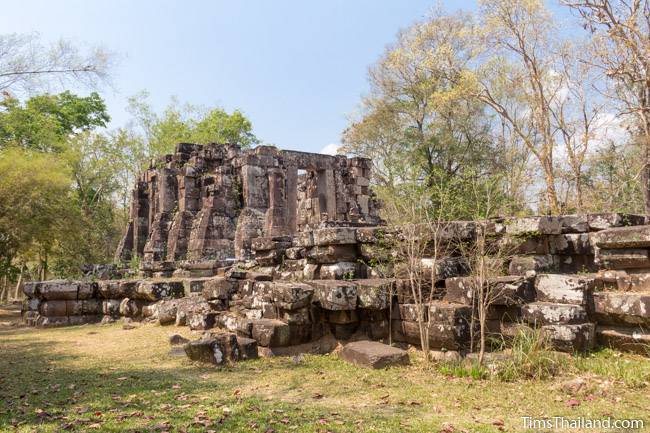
(44, 390)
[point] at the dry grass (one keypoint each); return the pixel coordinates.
(104, 378)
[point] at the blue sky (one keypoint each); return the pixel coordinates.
(296, 68)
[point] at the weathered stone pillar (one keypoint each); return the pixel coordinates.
(291, 188)
(276, 215)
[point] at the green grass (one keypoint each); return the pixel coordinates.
(98, 378)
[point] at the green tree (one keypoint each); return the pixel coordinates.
(35, 210)
(45, 122)
(187, 123)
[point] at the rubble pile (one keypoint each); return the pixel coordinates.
(263, 250)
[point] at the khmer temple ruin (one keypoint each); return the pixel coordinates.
(268, 249)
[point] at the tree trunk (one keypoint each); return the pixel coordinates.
(19, 283)
(645, 177)
(551, 194)
(4, 288)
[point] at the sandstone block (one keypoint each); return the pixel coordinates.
(626, 339)
(625, 258)
(441, 335)
(58, 290)
(603, 221)
(374, 293)
(335, 236)
(626, 308)
(332, 253)
(545, 225)
(339, 271)
(156, 290)
(574, 223)
(570, 338)
(507, 290)
(520, 265)
(372, 354)
(292, 296)
(564, 289)
(215, 349)
(219, 288)
(547, 313)
(622, 237)
(335, 294)
(270, 333)
(201, 320)
(247, 348)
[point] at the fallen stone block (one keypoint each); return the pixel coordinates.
(111, 307)
(441, 335)
(335, 236)
(372, 354)
(335, 294)
(132, 307)
(219, 288)
(624, 281)
(339, 271)
(622, 308)
(525, 244)
(574, 223)
(449, 313)
(269, 333)
(167, 311)
(520, 265)
(564, 289)
(215, 349)
(625, 258)
(570, 338)
(117, 289)
(411, 312)
(603, 221)
(547, 313)
(247, 348)
(230, 321)
(544, 225)
(622, 237)
(202, 320)
(291, 296)
(157, 290)
(301, 316)
(332, 254)
(507, 290)
(58, 290)
(374, 293)
(625, 339)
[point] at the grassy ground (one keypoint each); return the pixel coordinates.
(104, 378)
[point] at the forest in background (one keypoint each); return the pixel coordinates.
(468, 116)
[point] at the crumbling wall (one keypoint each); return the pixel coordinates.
(187, 205)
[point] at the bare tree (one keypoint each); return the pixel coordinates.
(621, 49)
(26, 64)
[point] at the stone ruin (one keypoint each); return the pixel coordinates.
(273, 251)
